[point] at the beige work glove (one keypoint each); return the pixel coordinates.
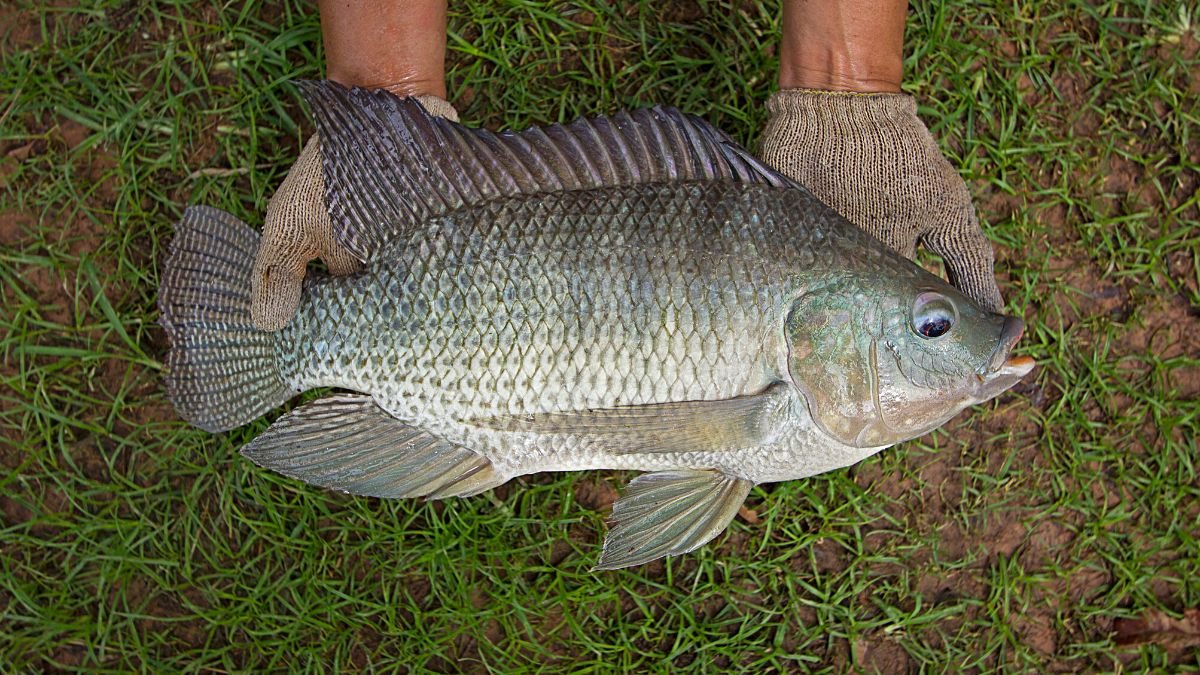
(872, 159)
(297, 230)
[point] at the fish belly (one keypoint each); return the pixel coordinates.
(799, 450)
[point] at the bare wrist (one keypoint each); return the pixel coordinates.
(399, 46)
(852, 45)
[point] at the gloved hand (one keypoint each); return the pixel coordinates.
(297, 229)
(872, 159)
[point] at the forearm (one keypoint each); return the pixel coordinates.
(846, 45)
(397, 45)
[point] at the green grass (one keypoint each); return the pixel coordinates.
(1010, 540)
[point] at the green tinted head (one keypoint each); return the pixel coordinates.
(882, 360)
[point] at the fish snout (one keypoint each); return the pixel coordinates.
(1002, 369)
(1001, 357)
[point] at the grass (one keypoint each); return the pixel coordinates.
(1009, 540)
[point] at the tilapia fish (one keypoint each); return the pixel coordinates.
(626, 292)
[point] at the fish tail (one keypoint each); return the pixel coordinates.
(221, 372)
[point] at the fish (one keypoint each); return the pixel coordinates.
(624, 292)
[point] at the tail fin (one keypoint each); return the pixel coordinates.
(221, 370)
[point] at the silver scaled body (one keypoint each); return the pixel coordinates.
(578, 301)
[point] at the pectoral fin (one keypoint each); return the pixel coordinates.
(686, 426)
(669, 513)
(349, 443)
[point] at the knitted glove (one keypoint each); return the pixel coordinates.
(297, 229)
(872, 159)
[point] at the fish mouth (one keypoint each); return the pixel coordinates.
(1010, 332)
(1003, 369)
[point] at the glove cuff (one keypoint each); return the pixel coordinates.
(842, 107)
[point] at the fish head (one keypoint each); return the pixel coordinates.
(881, 360)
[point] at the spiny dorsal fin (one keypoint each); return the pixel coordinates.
(389, 164)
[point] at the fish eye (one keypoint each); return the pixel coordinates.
(934, 315)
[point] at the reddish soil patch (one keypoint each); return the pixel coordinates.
(14, 226)
(881, 654)
(595, 494)
(18, 29)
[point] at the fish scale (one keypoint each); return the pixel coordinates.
(540, 315)
(633, 292)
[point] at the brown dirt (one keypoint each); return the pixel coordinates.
(881, 654)
(14, 227)
(18, 29)
(595, 494)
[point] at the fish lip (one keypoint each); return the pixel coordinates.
(1008, 374)
(1003, 369)
(1017, 365)
(1001, 357)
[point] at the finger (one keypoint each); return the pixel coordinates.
(304, 209)
(279, 269)
(438, 107)
(275, 297)
(287, 245)
(338, 260)
(968, 256)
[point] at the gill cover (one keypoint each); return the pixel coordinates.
(830, 362)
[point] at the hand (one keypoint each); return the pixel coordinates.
(872, 159)
(297, 229)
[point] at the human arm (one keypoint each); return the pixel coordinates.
(393, 45)
(840, 126)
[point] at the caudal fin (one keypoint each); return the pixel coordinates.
(221, 370)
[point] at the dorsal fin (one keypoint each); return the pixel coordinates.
(389, 164)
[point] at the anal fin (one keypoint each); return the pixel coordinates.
(670, 513)
(348, 443)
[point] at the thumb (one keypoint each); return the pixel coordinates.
(279, 270)
(287, 245)
(968, 256)
(275, 295)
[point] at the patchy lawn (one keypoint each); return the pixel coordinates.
(1057, 528)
